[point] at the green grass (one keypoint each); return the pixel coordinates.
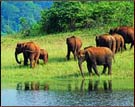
(57, 67)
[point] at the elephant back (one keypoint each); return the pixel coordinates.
(106, 40)
(74, 43)
(99, 51)
(125, 31)
(31, 47)
(102, 40)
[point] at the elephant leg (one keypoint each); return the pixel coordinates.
(119, 46)
(68, 54)
(104, 69)
(25, 59)
(116, 48)
(109, 69)
(36, 58)
(131, 45)
(125, 47)
(32, 62)
(44, 60)
(37, 61)
(75, 55)
(89, 69)
(95, 69)
(122, 47)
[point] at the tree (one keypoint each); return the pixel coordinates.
(69, 16)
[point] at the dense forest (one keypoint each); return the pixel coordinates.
(18, 15)
(33, 18)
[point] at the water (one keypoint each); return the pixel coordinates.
(88, 93)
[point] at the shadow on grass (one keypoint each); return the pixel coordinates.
(78, 75)
(14, 67)
(56, 59)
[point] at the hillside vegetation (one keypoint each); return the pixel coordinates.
(16, 14)
(53, 17)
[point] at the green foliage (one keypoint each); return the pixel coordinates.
(65, 16)
(12, 11)
(24, 25)
(69, 16)
(35, 30)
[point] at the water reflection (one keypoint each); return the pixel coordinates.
(35, 85)
(82, 86)
(31, 86)
(68, 93)
(94, 86)
(108, 86)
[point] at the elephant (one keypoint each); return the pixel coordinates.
(43, 56)
(127, 33)
(106, 40)
(119, 42)
(96, 56)
(73, 45)
(30, 51)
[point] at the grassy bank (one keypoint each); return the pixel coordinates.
(57, 66)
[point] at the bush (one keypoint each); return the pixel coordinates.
(69, 16)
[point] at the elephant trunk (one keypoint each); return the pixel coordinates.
(80, 67)
(19, 62)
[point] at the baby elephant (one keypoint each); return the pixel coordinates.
(43, 56)
(95, 56)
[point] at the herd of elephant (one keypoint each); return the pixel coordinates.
(107, 45)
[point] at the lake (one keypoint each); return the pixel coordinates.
(69, 93)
